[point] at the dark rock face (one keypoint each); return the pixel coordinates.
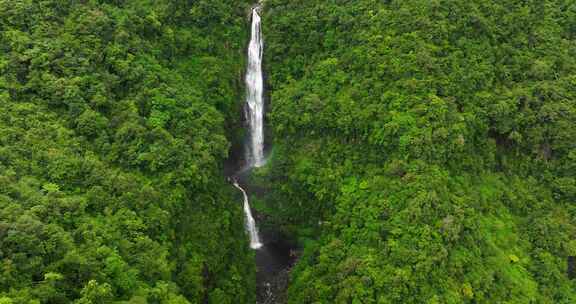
(275, 259)
(274, 262)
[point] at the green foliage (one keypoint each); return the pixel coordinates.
(427, 145)
(113, 119)
(424, 150)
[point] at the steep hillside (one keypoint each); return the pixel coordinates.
(425, 150)
(113, 118)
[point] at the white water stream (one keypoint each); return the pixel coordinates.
(250, 222)
(255, 114)
(255, 94)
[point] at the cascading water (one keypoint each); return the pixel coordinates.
(250, 222)
(255, 114)
(274, 255)
(255, 94)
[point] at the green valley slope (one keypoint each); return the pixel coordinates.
(113, 118)
(425, 150)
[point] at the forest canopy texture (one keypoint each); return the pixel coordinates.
(113, 118)
(425, 150)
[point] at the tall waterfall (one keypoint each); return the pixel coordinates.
(255, 94)
(255, 113)
(250, 223)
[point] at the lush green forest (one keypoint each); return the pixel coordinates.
(424, 151)
(114, 124)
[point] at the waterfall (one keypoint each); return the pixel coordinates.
(255, 95)
(255, 114)
(250, 223)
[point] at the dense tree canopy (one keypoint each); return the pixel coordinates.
(425, 151)
(113, 118)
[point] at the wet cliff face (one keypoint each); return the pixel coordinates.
(274, 255)
(274, 263)
(277, 254)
